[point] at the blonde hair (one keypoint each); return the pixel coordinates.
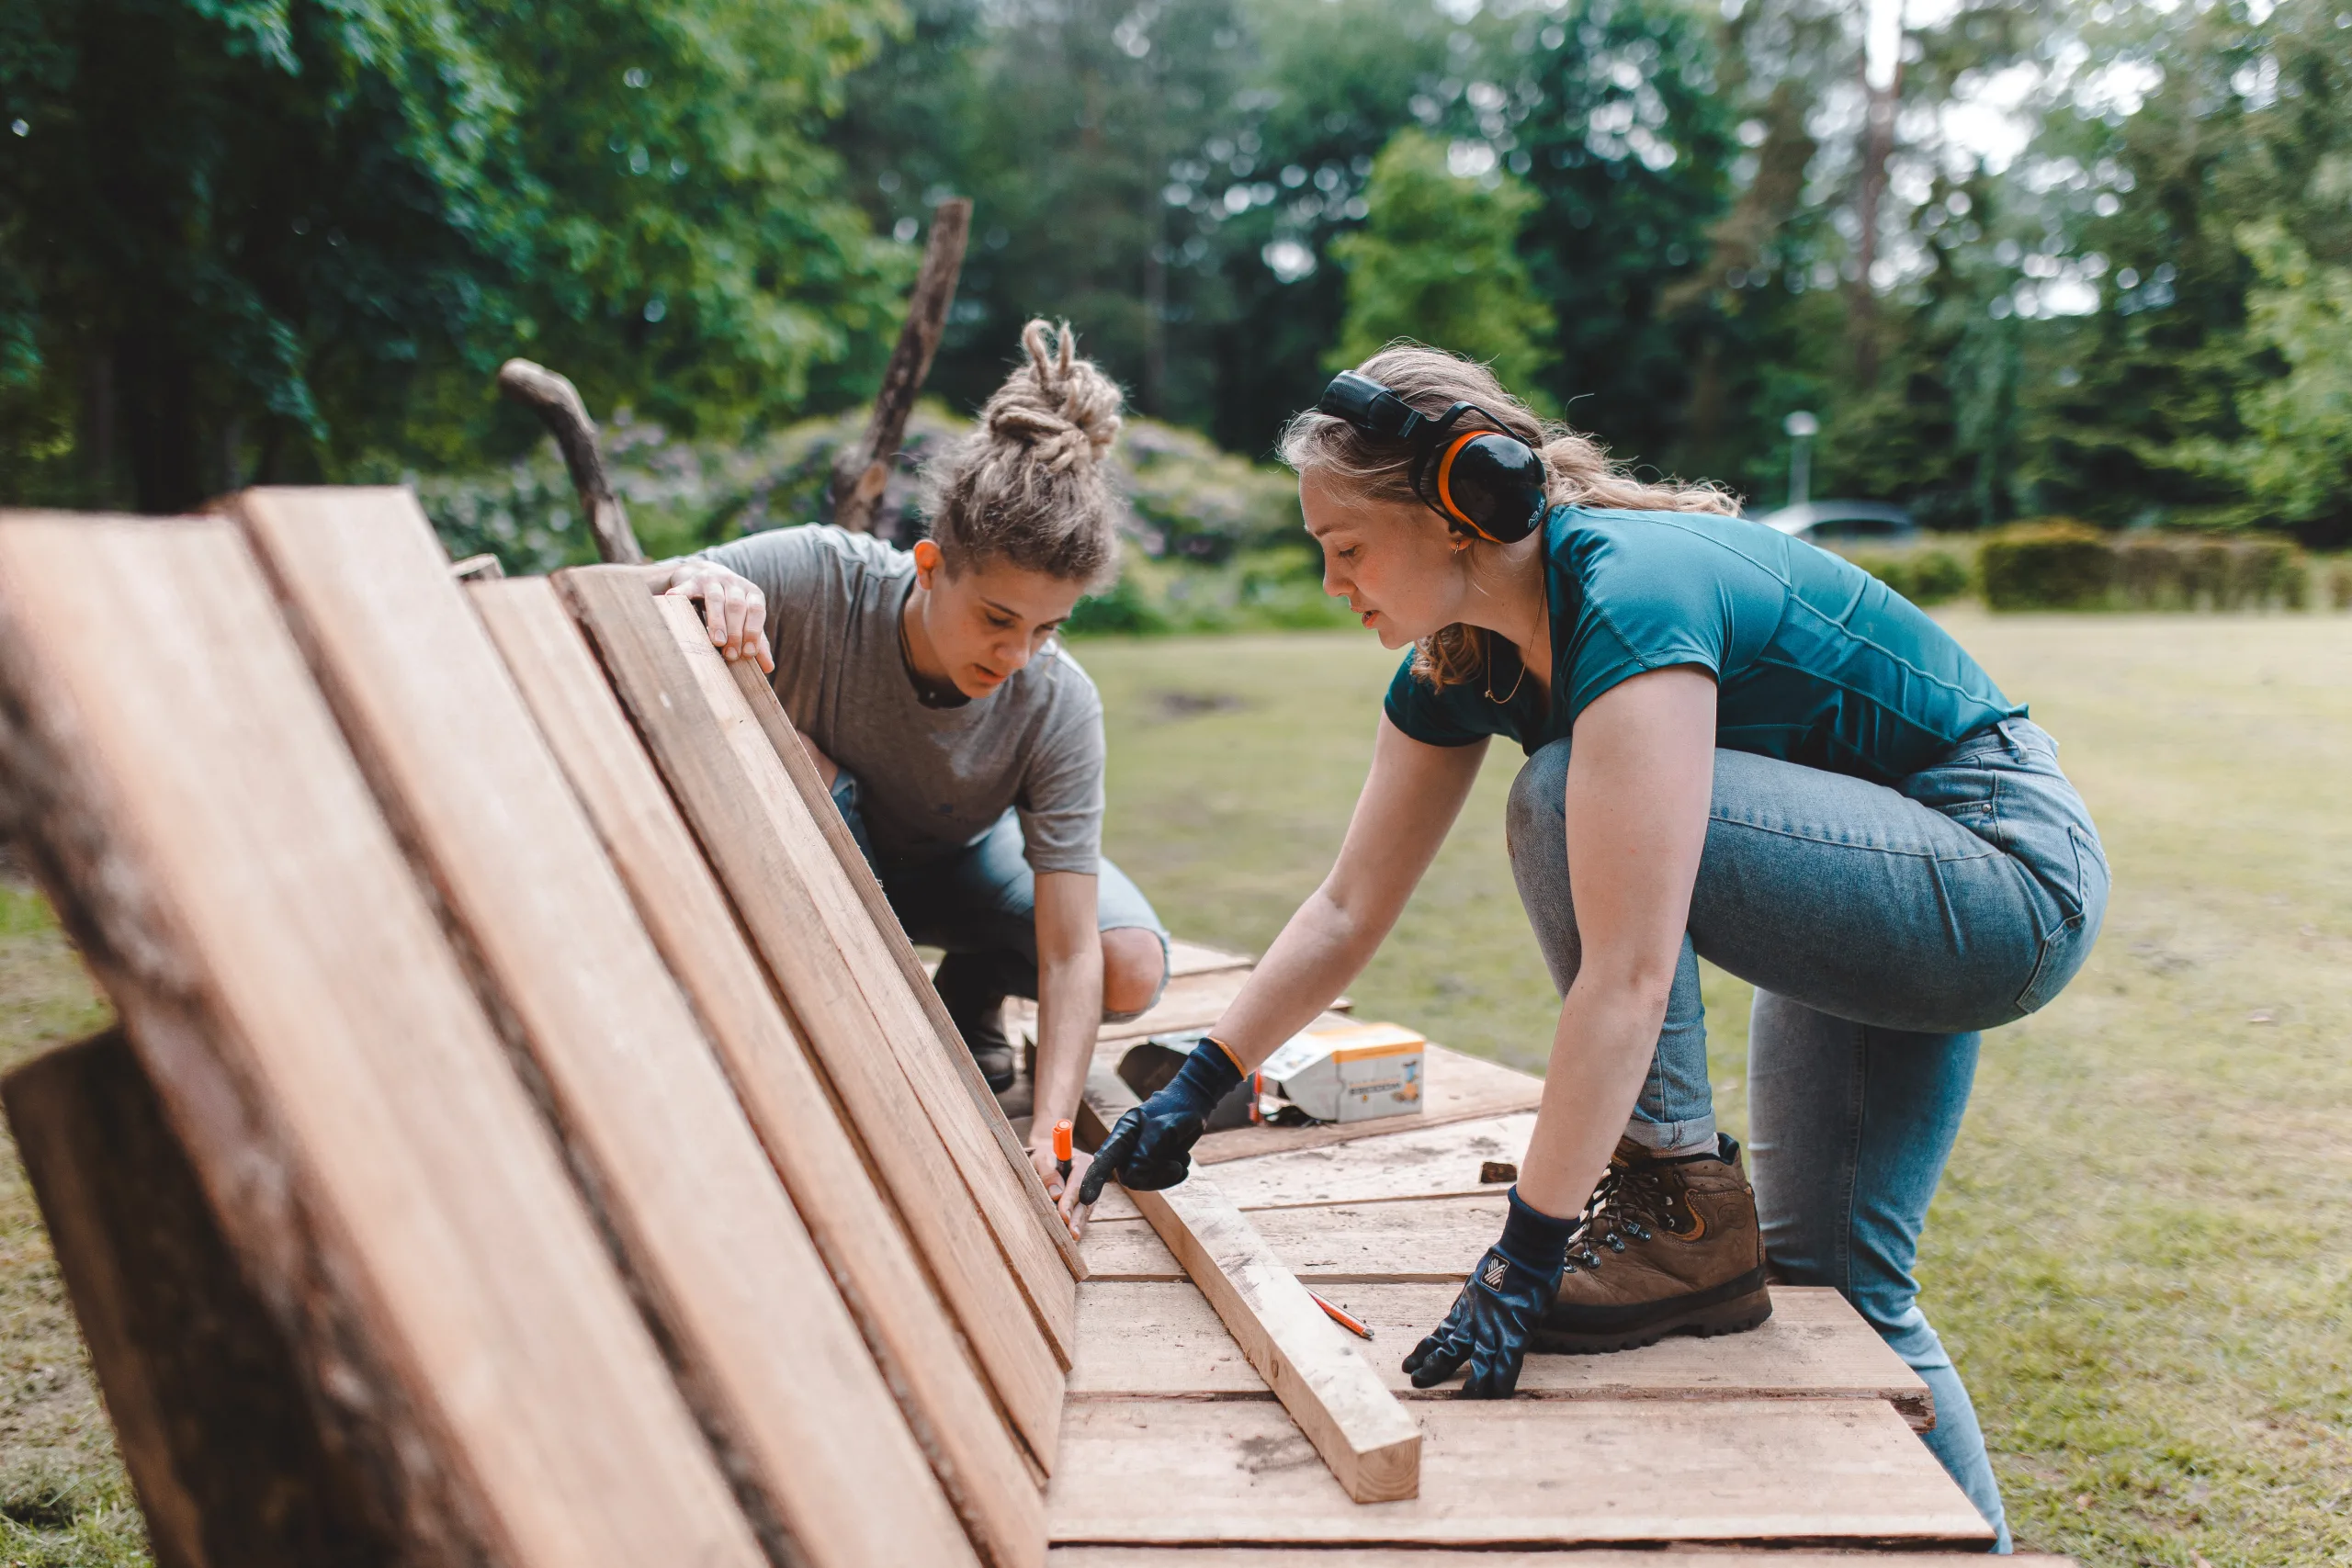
(1030, 484)
(1576, 468)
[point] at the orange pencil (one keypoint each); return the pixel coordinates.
(1061, 1148)
(1343, 1319)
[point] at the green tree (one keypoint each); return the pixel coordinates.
(272, 239)
(1439, 263)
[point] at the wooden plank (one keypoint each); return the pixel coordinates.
(1160, 1340)
(1427, 1240)
(1454, 1087)
(766, 1352)
(1440, 1557)
(1191, 1002)
(1199, 958)
(1372, 1445)
(914, 977)
(946, 1080)
(364, 1143)
(1442, 1161)
(204, 1393)
(921, 1352)
(734, 793)
(1515, 1472)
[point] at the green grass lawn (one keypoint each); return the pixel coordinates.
(2141, 1256)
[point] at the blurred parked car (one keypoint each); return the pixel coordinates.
(1836, 523)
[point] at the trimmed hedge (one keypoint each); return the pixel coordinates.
(1931, 575)
(2060, 564)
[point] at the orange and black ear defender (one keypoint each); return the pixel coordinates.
(1469, 470)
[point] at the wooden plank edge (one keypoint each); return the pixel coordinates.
(1369, 1440)
(778, 726)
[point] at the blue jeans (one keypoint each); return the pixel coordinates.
(1882, 929)
(980, 906)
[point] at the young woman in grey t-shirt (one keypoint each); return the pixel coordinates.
(962, 743)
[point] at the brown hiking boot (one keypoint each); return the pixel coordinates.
(1667, 1246)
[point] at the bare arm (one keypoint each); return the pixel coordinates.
(1409, 801)
(1069, 1011)
(1640, 782)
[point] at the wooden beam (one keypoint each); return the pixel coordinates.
(760, 839)
(1440, 1557)
(1369, 1440)
(766, 1350)
(1515, 1473)
(860, 471)
(1147, 1339)
(385, 1183)
(204, 1392)
(862, 1237)
(915, 979)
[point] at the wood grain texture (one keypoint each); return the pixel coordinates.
(1162, 1341)
(1454, 1087)
(1430, 1240)
(946, 1081)
(371, 1158)
(204, 1393)
(1515, 1472)
(1029, 1188)
(921, 1353)
(757, 836)
(1368, 1439)
(1434, 1162)
(766, 1350)
(1440, 1557)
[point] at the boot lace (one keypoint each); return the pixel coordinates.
(1632, 1202)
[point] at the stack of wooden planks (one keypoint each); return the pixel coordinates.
(529, 1139)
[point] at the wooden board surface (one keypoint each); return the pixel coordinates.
(1440, 1557)
(1365, 1436)
(768, 1353)
(1426, 1163)
(914, 989)
(1427, 1240)
(733, 793)
(1142, 1339)
(1454, 1087)
(910, 1334)
(1513, 1473)
(1199, 958)
(937, 1071)
(361, 1136)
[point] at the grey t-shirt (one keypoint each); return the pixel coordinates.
(931, 780)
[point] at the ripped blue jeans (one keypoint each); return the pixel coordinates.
(1883, 928)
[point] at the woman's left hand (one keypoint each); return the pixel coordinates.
(1496, 1315)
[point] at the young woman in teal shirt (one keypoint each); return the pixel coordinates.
(1739, 747)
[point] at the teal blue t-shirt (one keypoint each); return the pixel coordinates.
(1816, 661)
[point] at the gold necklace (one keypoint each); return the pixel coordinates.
(1515, 685)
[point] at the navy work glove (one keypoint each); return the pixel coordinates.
(1152, 1146)
(1497, 1308)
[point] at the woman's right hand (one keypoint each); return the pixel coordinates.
(733, 606)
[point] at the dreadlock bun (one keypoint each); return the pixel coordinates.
(1030, 484)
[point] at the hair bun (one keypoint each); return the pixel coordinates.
(1064, 409)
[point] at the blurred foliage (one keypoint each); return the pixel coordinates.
(2055, 564)
(268, 239)
(2101, 264)
(2064, 564)
(1439, 263)
(1926, 574)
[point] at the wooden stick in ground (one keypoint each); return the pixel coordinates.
(557, 403)
(1368, 1439)
(861, 471)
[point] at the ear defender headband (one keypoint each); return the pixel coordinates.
(1470, 472)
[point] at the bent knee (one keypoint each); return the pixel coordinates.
(1538, 807)
(1134, 966)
